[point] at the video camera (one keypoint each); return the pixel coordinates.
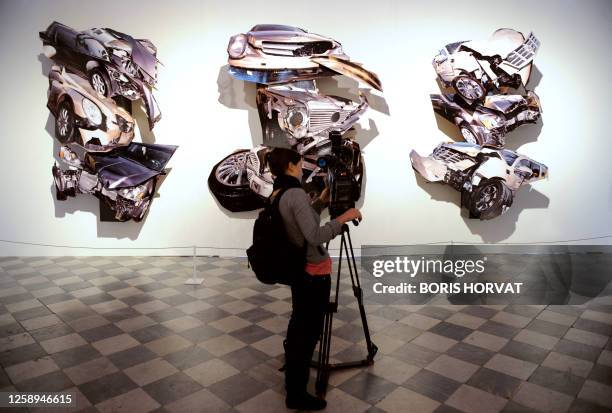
(344, 190)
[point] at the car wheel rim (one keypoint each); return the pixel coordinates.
(63, 122)
(232, 170)
(486, 198)
(469, 88)
(98, 84)
(468, 136)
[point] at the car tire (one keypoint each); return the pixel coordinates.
(468, 134)
(98, 79)
(60, 193)
(489, 199)
(468, 88)
(228, 183)
(65, 122)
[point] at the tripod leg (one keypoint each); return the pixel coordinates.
(358, 292)
(324, 368)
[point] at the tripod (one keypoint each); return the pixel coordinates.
(323, 366)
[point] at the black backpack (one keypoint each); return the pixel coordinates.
(273, 258)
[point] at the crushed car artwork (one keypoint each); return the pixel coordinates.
(101, 70)
(489, 80)
(242, 180)
(85, 117)
(125, 180)
(488, 99)
(488, 123)
(299, 110)
(475, 68)
(286, 62)
(486, 177)
(114, 63)
(273, 53)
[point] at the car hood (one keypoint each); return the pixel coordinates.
(281, 36)
(501, 42)
(504, 103)
(132, 166)
(350, 69)
(466, 148)
(141, 56)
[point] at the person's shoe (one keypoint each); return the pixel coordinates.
(305, 402)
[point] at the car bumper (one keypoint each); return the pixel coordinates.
(428, 168)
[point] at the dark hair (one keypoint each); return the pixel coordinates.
(279, 158)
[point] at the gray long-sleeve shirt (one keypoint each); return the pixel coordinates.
(302, 222)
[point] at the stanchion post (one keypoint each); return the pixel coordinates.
(194, 280)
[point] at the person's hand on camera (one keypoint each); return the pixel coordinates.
(350, 215)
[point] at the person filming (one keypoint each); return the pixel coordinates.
(310, 289)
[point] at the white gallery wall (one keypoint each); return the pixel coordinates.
(208, 114)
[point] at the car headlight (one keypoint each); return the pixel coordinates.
(491, 121)
(296, 121)
(441, 57)
(237, 45)
(92, 111)
(137, 193)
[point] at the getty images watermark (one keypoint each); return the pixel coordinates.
(458, 268)
(484, 274)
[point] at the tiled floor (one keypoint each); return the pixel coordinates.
(127, 335)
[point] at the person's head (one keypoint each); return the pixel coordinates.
(283, 161)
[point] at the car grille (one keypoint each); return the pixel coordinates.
(324, 116)
(296, 49)
(523, 54)
(448, 155)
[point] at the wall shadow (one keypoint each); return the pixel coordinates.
(438, 191)
(502, 227)
(490, 231)
(535, 78)
(448, 128)
(45, 64)
(238, 94)
(524, 134)
(348, 88)
(251, 215)
(142, 121)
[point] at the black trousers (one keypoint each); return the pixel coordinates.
(310, 298)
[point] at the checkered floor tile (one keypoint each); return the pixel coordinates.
(126, 334)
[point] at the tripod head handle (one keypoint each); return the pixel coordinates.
(345, 227)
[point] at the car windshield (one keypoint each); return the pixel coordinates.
(508, 156)
(452, 47)
(276, 27)
(304, 84)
